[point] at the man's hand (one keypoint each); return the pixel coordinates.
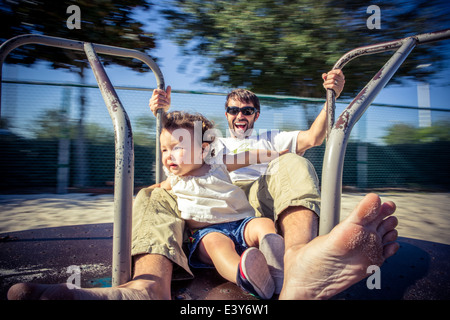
(334, 80)
(160, 100)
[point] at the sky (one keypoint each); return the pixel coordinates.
(170, 59)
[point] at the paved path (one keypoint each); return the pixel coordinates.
(424, 216)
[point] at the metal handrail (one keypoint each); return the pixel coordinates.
(124, 149)
(338, 132)
(57, 42)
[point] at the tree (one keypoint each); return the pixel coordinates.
(402, 133)
(53, 124)
(102, 21)
(282, 46)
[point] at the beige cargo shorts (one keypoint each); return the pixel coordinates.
(290, 180)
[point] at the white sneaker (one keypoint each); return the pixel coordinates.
(253, 274)
(272, 246)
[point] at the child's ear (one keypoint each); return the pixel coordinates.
(205, 149)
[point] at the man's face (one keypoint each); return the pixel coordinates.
(240, 125)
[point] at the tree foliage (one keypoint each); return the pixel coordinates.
(102, 21)
(54, 124)
(402, 133)
(283, 46)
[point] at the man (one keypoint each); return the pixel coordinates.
(296, 205)
(315, 267)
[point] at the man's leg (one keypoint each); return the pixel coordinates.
(289, 193)
(151, 282)
(333, 262)
(158, 228)
(298, 225)
(155, 274)
(157, 241)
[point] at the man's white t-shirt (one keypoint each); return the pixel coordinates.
(268, 140)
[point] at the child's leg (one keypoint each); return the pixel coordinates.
(256, 229)
(217, 249)
(250, 271)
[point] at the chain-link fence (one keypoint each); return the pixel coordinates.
(59, 138)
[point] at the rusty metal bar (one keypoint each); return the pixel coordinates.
(373, 49)
(124, 172)
(158, 169)
(338, 132)
(18, 41)
(333, 162)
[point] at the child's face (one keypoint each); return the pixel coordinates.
(180, 153)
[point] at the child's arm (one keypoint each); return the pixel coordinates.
(243, 159)
(164, 184)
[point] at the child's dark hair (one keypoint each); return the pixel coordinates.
(180, 119)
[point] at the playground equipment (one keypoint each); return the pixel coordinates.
(338, 133)
(124, 170)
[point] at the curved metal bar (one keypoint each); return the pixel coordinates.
(159, 174)
(338, 132)
(373, 49)
(21, 40)
(124, 171)
(333, 162)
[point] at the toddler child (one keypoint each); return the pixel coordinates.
(224, 230)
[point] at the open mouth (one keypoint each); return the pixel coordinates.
(173, 166)
(241, 125)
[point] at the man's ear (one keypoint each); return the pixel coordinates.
(256, 115)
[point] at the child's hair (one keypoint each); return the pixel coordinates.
(180, 119)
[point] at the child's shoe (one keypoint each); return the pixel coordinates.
(253, 274)
(272, 246)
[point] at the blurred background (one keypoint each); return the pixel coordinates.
(56, 134)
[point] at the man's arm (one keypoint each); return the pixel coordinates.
(315, 135)
(243, 159)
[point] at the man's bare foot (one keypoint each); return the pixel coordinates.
(140, 289)
(333, 262)
(133, 290)
(151, 281)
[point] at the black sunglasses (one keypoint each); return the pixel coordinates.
(246, 111)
